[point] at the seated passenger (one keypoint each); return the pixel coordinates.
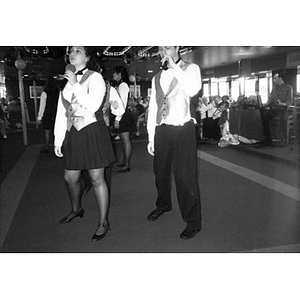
(223, 120)
(141, 115)
(211, 129)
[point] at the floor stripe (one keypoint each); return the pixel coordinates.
(271, 183)
(294, 248)
(13, 186)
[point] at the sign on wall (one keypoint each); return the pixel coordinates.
(135, 91)
(39, 90)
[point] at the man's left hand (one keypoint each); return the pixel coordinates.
(169, 59)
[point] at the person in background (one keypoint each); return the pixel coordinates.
(141, 115)
(3, 119)
(282, 93)
(172, 139)
(125, 124)
(280, 98)
(14, 113)
(2, 123)
(195, 112)
(224, 118)
(202, 107)
(146, 102)
(211, 128)
(47, 110)
(82, 141)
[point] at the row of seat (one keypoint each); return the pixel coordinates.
(292, 123)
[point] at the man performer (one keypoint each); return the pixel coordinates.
(172, 139)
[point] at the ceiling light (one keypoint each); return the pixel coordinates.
(120, 53)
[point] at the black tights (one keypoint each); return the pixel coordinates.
(126, 147)
(72, 179)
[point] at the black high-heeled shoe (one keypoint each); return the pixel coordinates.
(124, 170)
(72, 216)
(97, 237)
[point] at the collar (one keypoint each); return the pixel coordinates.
(80, 72)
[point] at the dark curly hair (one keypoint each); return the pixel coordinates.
(93, 62)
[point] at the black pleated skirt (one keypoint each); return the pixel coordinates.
(88, 148)
(127, 123)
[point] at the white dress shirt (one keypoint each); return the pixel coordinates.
(212, 111)
(123, 91)
(116, 103)
(89, 94)
(190, 83)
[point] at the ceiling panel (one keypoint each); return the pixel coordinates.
(214, 56)
(42, 60)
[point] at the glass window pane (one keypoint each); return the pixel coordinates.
(223, 90)
(205, 89)
(263, 89)
(214, 89)
(250, 87)
(235, 91)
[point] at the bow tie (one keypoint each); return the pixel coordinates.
(165, 65)
(80, 72)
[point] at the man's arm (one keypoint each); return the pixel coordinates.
(272, 98)
(289, 96)
(151, 120)
(189, 79)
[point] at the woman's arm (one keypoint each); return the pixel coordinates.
(60, 126)
(123, 91)
(42, 106)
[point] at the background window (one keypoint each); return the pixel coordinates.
(223, 88)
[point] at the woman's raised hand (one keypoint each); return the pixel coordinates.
(71, 77)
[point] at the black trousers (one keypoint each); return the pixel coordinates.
(268, 114)
(175, 147)
(211, 128)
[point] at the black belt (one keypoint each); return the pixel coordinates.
(164, 124)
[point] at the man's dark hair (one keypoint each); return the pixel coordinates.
(280, 73)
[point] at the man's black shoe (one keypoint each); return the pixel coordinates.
(189, 233)
(156, 214)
